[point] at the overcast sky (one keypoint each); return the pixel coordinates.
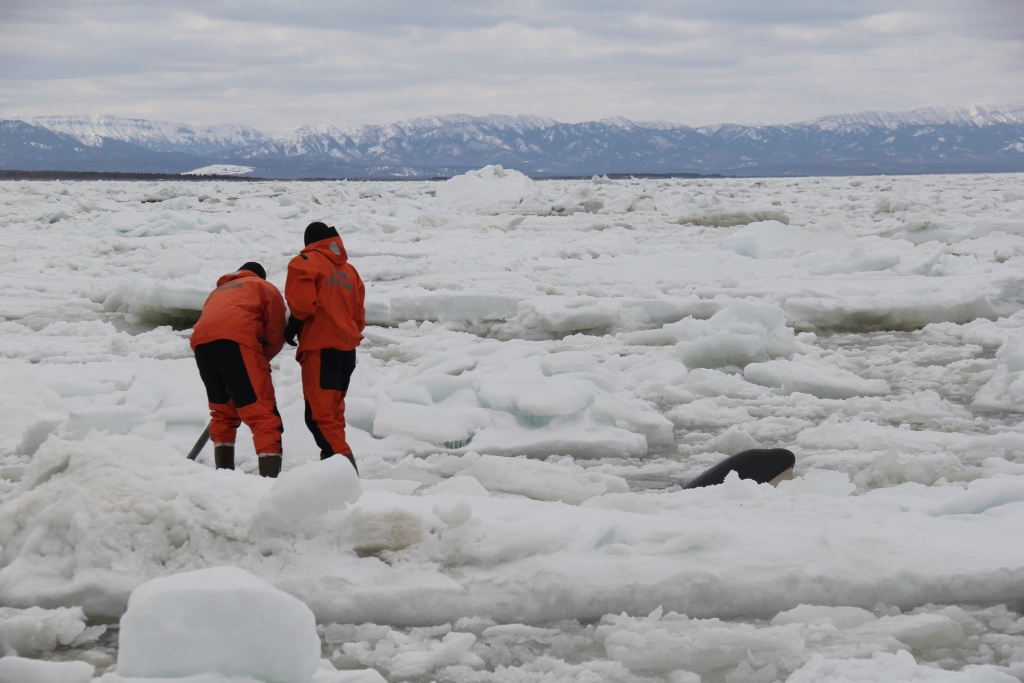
(279, 64)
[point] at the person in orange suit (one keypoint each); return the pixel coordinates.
(239, 331)
(325, 297)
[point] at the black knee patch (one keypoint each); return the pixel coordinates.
(223, 371)
(209, 372)
(336, 367)
(325, 448)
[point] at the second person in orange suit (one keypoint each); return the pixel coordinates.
(325, 297)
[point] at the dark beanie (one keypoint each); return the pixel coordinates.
(318, 231)
(254, 267)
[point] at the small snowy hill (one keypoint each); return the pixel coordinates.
(978, 138)
(221, 169)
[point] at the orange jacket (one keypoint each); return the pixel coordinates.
(325, 290)
(244, 308)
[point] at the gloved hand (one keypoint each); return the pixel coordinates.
(291, 329)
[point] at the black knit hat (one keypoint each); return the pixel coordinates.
(318, 231)
(254, 267)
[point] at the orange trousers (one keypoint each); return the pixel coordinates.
(239, 389)
(325, 377)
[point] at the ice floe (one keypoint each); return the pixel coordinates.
(547, 363)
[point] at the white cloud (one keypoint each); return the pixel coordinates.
(278, 65)
(902, 23)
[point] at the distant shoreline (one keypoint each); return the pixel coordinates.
(8, 174)
(113, 175)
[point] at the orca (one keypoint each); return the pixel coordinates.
(763, 465)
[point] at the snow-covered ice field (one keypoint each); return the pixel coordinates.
(546, 363)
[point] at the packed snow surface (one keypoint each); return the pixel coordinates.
(221, 620)
(308, 491)
(547, 362)
(22, 670)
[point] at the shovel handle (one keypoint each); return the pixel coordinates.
(203, 438)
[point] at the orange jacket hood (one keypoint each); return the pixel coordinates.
(333, 249)
(237, 275)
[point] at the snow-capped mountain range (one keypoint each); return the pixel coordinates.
(933, 139)
(156, 136)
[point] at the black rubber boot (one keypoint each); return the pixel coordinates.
(270, 466)
(224, 456)
(351, 458)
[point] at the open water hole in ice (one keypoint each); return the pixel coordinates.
(624, 335)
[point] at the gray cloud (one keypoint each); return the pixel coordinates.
(277, 65)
